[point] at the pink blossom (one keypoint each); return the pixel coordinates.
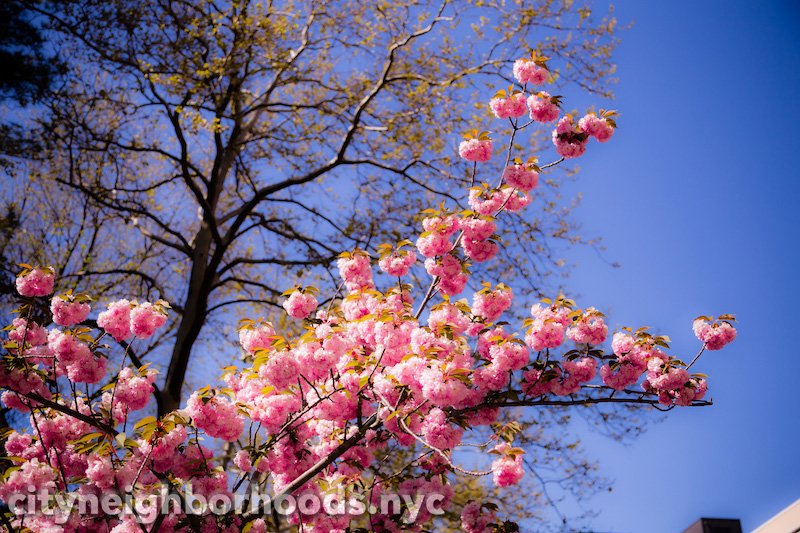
(450, 271)
(486, 202)
(491, 304)
(439, 433)
(256, 336)
(242, 461)
(489, 202)
(715, 335)
(480, 251)
(442, 390)
(300, 304)
(475, 521)
(517, 200)
(68, 312)
(448, 316)
(521, 177)
(665, 377)
(23, 383)
(100, 471)
(590, 328)
(569, 141)
(478, 228)
(134, 389)
(527, 71)
(258, 526)
(599, 128)
(165, 447)
(146, 318)
(622, 343)
(543, 107)
(33, 476)
(22, 445)
(89, 370)
(36, 282)
(548, 327)
(508, 468)
(67, 349)
(398, 263)
(476, 150)
(491, 377)
(432, 244)
(216, 415)
(630, 366)
(280, 370)
(272, 410)
(572, 375)
(507, 355)
(355, 270)
(435, 239)
(128, 525)
(116, 321)
(537, 382)
(512, 107)
(30, 333)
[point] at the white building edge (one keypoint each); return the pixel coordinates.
(787, 521)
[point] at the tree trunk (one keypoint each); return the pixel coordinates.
(195, 307)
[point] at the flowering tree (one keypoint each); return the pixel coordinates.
(212, 137)
(382, 366)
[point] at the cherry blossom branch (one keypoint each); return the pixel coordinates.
(400, 420)
(372, 422)
(67, 411)
(696, 357)
(577, 401)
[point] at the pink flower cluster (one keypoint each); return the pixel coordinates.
(216, 415)
(547, 327)
(365, 356)
(450, 271)
(599, 128)
(504, 353)
(559, 379)
(134, 389)
(476, 150)
(489, 202)
(256, 335)
(397, 262)
(512, 106)
(478, 240)
(123, 318)
(146, 318)
(631, 362)
(530, 71)
(521, 176)
(588, 328)
(714, 334)
(36, 282)
(435, 239)
(490, 304)
(75, 358)
(508, 468)
(543, 107)
(474, 520)
(569, 140)
(27, 332)
(355, 269)
(673, 384)
(300, 304)
(68, 311)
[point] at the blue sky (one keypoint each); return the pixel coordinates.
(696, 198)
